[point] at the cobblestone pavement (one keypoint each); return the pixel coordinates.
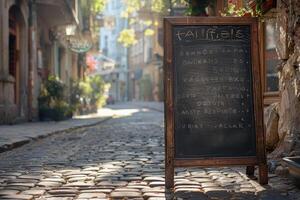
(12, 136)
(120, 159)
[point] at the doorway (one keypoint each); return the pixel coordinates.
(14, 28)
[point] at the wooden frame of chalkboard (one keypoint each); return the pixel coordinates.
(188, 29)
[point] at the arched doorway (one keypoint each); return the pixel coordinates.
(17, 62)
(14, 50)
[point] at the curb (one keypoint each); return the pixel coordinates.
(155, 109)
(8, 147)
(151, 108)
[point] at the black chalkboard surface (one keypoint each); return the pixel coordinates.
(213, 97)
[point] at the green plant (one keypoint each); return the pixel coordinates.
(55, 88)
(52, 104)
(259, 4)
(232, 10)
(197, 8)
(146, 88)
(61, 111)
(75, 95)
(98, 87)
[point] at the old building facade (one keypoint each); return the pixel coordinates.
(32, 46)
(113, 57)
(14, 60)
(145, 57)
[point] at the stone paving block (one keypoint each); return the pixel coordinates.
(34, 177)
(125, 194)
(112, 183)
(8, 192)
(22, 184)
(20, 180)
(153, 194)
(209, 185)
(126, 190)
(91, 169)
(87, 190)
(212, 189)
(59, 180)
(188, 190)
(156, 183)
(80, 184)
(17, 197)
(154, 189)
(62, 191)
(156, 198)
(186, 182)
(19, 188)
(34, 192)
(138, 186)
(62, 195)
(76, 179)
(56, 198)
(154, 178)
(91, 195)
(49, 184)
(144, 183)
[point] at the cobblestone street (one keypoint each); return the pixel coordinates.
(122, 158)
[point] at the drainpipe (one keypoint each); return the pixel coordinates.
(32, 56)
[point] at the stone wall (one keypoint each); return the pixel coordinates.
(11, 111)
(288, 48)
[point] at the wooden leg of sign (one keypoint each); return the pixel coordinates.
(169, 171)
(250, 171)
(263, 174)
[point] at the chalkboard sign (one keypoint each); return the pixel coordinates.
(213, 91)
(213, 104)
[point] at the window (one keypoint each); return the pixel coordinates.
(270, 61)
(271, 58)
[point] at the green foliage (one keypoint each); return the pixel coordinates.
(259, 6)
(197, 8)
(92, 6)
(61, 111)
(85, 95)
(146, 88)
(98, 87)
(75, 94)
(127, 37)
(55, 88)
(158, 6)
(88, 95)
(97, 6)
(133, 6)
(51, 100)
(233, 11)
(149, 32)
(85, 88)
